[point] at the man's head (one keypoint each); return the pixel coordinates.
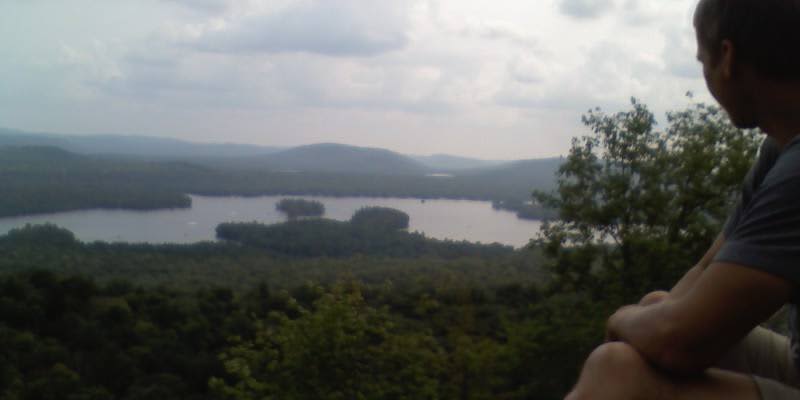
(744, 42)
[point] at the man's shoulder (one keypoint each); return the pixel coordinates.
(783, 164)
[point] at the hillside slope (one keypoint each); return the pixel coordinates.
(339, 158)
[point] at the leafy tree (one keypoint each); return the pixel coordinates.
(638, 205)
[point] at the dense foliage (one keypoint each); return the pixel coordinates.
(154, 323)
(295, 208)
(67, 338)
(200, 265)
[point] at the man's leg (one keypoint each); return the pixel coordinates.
(763, 353)
(767, 356)
(617, 371)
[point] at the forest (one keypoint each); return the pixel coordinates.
(382, 315)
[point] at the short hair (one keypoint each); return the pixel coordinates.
(764, 33)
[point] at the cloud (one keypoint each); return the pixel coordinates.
(586, 8)
(607, 76)
(203, 6)
(500, 30)
(679, 53)
(638, 12)
(339, 28)
(450, 75)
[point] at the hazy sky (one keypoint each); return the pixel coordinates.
(495, 79)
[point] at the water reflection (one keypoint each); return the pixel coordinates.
(444, 219)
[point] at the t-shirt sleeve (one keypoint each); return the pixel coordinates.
(765, 233)
(733, 218)
(767, 155)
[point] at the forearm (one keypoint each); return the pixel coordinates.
(687, 281)
(692, 275)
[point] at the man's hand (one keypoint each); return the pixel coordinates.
(648, 300)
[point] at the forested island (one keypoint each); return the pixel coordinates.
(296, 208)
(374, 231)
(363, 308)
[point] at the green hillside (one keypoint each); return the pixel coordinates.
(338, 158)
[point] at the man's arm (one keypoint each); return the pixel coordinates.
(689, 278)
(689, 332)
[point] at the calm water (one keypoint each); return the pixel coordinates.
(475, 221)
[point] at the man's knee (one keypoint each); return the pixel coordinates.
(616, 358)
(613, 370)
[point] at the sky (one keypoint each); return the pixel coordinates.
(491, 79)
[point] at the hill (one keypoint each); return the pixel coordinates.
(325, 157)
(538, 173)
(38, 179)
(339, 158)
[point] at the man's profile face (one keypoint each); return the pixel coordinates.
(704, 57)
(717, 72)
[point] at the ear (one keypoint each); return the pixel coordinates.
(727, 59)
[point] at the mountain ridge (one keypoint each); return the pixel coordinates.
(318, 157)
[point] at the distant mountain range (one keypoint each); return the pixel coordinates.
(129, 145)
(316, 158)
(39, 178)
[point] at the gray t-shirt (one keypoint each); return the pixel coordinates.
(763, 231)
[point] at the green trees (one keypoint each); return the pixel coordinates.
(295, 208)
(374, 233)
(341, 349)
(639, 205)
(68, 338)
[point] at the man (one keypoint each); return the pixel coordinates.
(701, 340)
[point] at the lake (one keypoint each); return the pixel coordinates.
(475, 221)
